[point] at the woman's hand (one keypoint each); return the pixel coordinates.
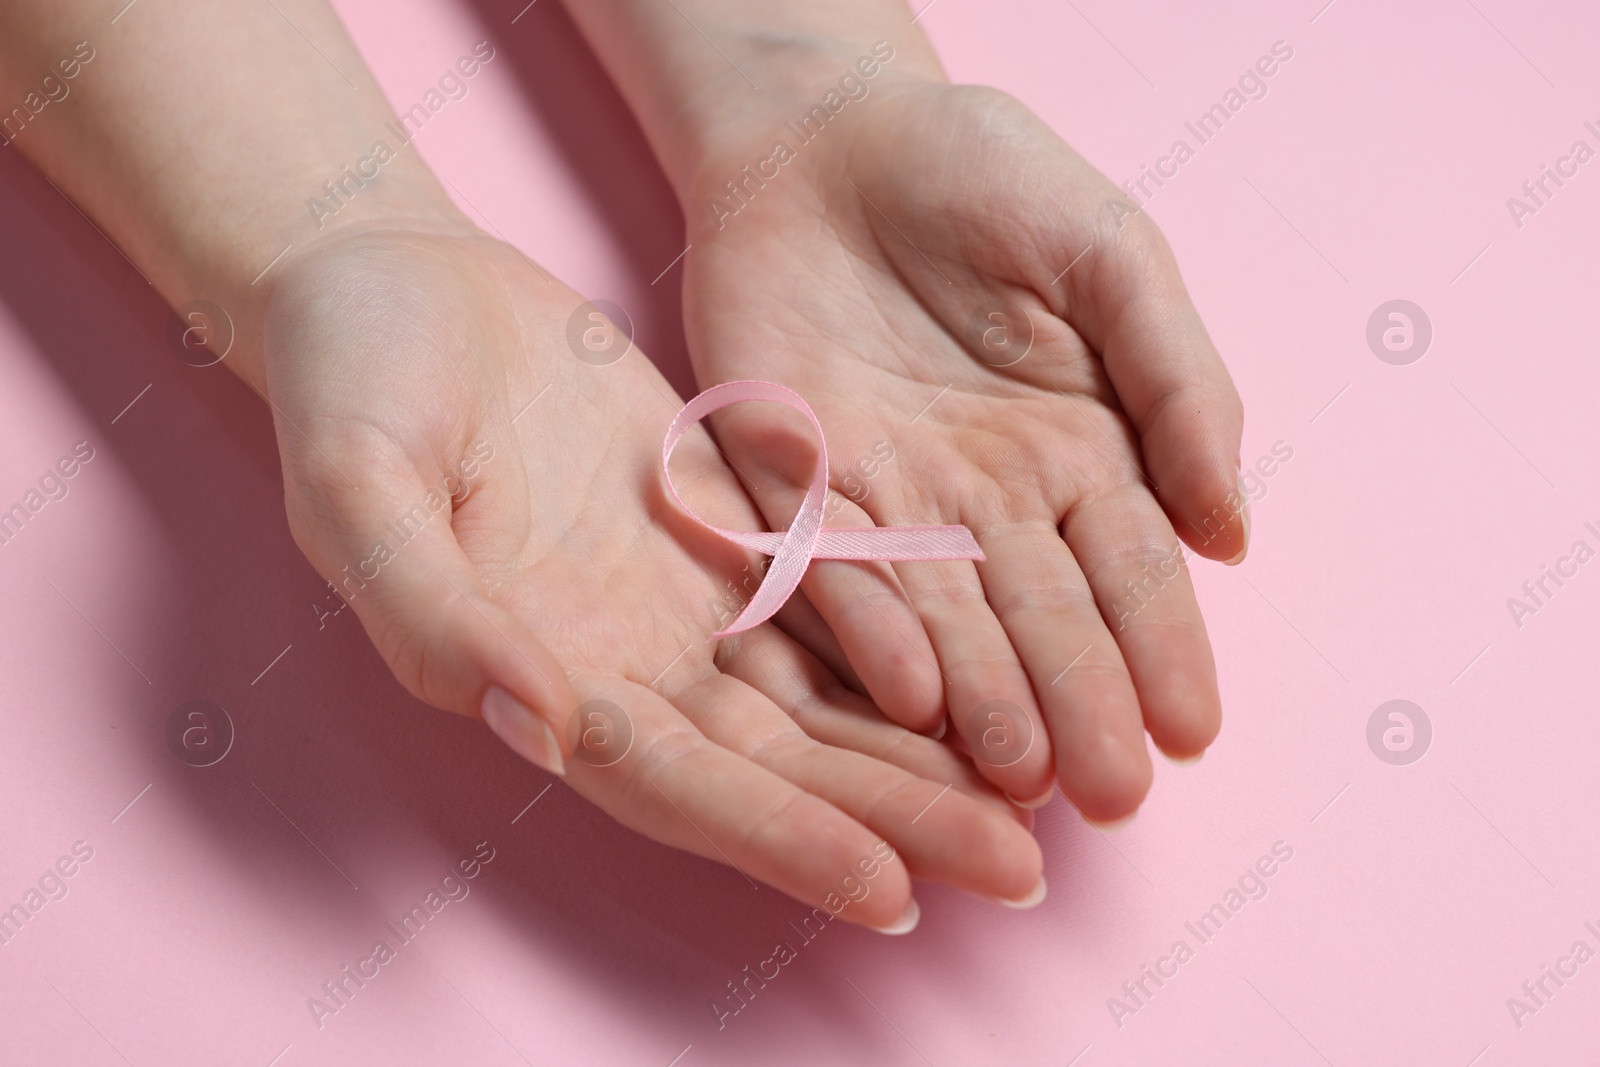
(563, 599)
(949, 284)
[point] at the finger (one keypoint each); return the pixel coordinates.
(941, 833)
(677, 786)
(388, 548)
(991, 702)
(1132, 306)
(799, 620)
(878, 628)
(861, 602)
(802, 687)
(1089, 702)
(1134, 566)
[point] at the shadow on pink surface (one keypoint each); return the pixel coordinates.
(327, 735)
(565, 86)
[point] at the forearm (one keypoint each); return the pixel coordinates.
(201, 137)
(706, 78)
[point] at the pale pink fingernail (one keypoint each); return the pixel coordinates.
(523, 732)
(906, 923)
(1037, 802)
(1033, 899)
(1112, 824)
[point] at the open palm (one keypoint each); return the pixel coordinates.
(908, 274)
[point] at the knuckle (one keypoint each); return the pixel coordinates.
(911, 793)
(780, 747)
(661, 750)
(419, 655)
(1059, 604)
(952, 593)
(770, 821)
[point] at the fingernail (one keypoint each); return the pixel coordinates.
(906, 923)
(523, 732)
(1037, 802)
(1185, 761)
(1112, 824)
(1034, 898)
(1244, 517)
(944, 724)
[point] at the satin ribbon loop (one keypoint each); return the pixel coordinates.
(806, 539)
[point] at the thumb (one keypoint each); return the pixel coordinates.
(1171, 383)
(388, 547)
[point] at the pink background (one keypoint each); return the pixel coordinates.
(1419, 897)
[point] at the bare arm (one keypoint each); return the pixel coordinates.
(196, 136)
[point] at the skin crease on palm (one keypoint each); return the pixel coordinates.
(398, 352)
(854, 277)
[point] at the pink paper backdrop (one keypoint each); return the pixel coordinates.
(1419, 897)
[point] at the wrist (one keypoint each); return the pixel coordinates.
(813, 104)
(216, 149)
(711, 81)
(233, 275)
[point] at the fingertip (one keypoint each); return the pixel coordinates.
(1112, 825)
(907, 921)
(997, 858)
(890, 904)
(1183, 729)
(1037, 802)
(1244, 526)
(523, 732)
(1211, 514)
(1032, 899)
(1118, 785)
(1182, 708)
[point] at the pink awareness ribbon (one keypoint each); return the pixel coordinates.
(806, 538)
